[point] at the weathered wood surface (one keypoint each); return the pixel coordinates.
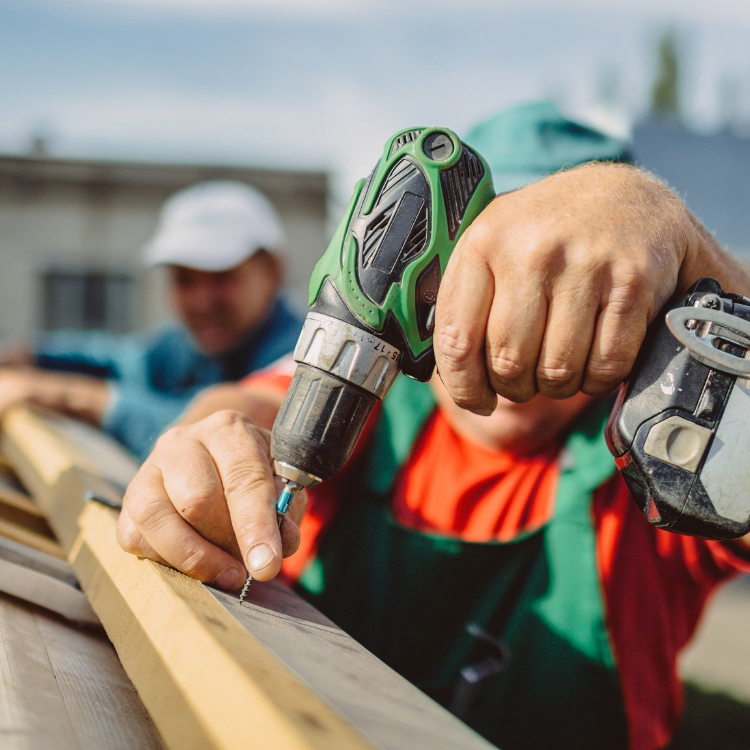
(62, 687)
(43, 580)
(379, 702)
(271, 674)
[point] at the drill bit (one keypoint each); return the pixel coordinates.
(282, 506)
(285, 499)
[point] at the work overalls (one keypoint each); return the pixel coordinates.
(446, 613)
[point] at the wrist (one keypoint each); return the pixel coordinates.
(705, 257)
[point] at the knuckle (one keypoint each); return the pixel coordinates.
(196, 564)
(128, 537)
(506, 365)
(198, 502)
(631, 283)
(246, 478)
(537, 252)
(557, 378)
(226, 419)
(174, 435)
(479, 236)
(603, 374)
(137, 498)
(510, 376)
(253, 531)
(232, 427)
(148, 514)
(452, 344)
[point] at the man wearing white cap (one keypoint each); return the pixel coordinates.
(220, 242)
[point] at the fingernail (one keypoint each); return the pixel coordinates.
(259, 557)
(229, 579)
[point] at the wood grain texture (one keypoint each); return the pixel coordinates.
(211, 682)
(63, 687)
(43, 580)
(212, 674)
(58, 460)
(31, 538)
(379, 702)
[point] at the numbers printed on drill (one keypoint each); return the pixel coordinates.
(381, 346)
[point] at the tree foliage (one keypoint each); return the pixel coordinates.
(665, 91)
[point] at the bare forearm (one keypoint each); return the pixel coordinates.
(671, 226)
(78, 395)
(259, 404)
(16, 355)
(707, 258)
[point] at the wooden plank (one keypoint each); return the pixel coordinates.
(211, 673)
(378, 701)
(21, 519)
(31, 538)
(13, 494)
(63, 687)
(44, 581)
(43, 449)
(209, 679)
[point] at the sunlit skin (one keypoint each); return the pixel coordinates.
(221, 308)
(517, 428)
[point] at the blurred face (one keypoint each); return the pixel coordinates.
(517, 428)
(221, 308)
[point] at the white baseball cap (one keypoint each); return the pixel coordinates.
(214, 226)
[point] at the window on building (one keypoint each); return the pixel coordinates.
(87, 300)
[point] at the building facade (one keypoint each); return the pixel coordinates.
(71, 233)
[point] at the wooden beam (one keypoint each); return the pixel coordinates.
(44, 581)
(210, 682)
(21, 519)
(212, 674)
(13, 495)
(31, 538)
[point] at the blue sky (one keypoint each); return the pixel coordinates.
(323, 84)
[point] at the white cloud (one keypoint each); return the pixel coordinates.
(245, 8)
(702, 11)
(691, 11)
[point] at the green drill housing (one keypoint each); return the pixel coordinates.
(389, 252)
(373, 296)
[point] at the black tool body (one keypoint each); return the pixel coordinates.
(681, 425)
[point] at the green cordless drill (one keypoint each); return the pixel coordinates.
(372, 299)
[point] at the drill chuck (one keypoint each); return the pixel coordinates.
(342, 371)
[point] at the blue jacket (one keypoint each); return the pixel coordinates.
(154, 375)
